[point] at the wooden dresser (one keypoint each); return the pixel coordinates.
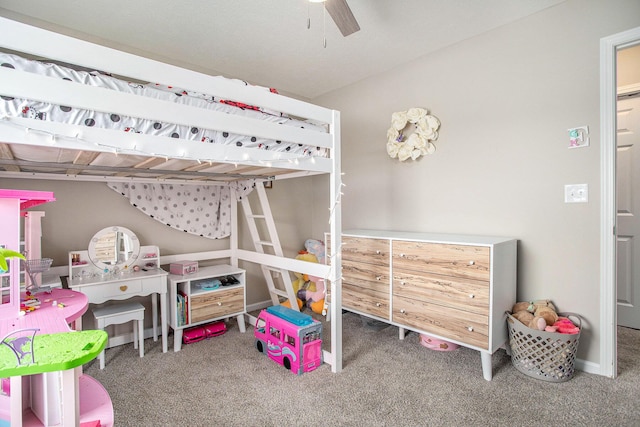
(452, 287)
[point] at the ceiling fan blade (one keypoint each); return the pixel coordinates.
(341, 14)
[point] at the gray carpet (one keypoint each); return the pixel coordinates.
(224, 381)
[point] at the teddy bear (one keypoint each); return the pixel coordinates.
(535, 314)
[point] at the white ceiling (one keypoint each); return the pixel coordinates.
(266, 42)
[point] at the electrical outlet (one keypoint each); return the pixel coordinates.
(576, 193)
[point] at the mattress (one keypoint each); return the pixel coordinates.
(17, 107)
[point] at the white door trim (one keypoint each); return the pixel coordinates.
(608, 322)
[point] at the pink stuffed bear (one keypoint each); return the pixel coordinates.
(314, 300)
(564, 326)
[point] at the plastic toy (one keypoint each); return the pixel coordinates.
(290, 338)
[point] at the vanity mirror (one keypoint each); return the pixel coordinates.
(113, 247)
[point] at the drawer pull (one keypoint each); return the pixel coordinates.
(470, 328)
(378, 304)
(123, 288)
(472, 296)
(403, 283)
(378, 252)
(219, 304)
(401, 255)
(403, 311)
(378, 278)
(472, 262)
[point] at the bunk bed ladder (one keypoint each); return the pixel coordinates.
(272, 245)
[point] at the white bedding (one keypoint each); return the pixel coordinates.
(16, 107)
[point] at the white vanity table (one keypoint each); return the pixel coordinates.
(115, 270)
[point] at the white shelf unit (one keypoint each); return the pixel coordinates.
(206, 304)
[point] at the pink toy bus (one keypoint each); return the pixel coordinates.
(290, 338)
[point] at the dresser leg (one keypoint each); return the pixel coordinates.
(402, 332)
(486, 365)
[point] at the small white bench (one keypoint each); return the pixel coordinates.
(117, 314)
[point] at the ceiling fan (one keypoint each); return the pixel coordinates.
(341, 14)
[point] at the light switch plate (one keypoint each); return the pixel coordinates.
(579, 137)
(576, 193)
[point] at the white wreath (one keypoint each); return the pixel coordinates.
(416, 144)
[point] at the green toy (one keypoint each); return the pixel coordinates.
(49, 352)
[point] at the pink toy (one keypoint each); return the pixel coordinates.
(435, 344)
(290, 338)
(564, 326)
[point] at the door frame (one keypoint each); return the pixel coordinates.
(608, 99)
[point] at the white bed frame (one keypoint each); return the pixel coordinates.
(29, 40)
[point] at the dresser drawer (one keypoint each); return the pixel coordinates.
(216, 304)
(464, 294)
(366, 250)
(462, 326)
(365, 300)
(367, 275)
(471, 262)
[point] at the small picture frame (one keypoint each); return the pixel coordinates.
(268, 184)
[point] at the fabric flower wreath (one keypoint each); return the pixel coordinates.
(416, 144)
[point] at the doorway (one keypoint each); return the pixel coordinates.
(609, 47)
(627, 187)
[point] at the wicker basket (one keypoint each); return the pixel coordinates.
(547, 356)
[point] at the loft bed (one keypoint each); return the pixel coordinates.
(140, 120)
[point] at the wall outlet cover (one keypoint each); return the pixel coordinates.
(576, 193)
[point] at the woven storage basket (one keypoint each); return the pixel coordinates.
(548, 356)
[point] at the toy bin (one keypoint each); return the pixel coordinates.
(183, 267)
(547, 356)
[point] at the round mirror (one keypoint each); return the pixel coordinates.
(113, 247)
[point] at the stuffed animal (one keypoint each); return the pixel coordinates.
(316, 247)
(315, 300)
(310, 290)
(538, 314)
(302, 282)
(564, 326)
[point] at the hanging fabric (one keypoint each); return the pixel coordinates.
(202, 210)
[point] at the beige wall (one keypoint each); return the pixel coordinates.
(505, 100)
(83, 208)
(628, 61)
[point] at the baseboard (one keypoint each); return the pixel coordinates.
(127, 338)
(259, 306)
(588, 367)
